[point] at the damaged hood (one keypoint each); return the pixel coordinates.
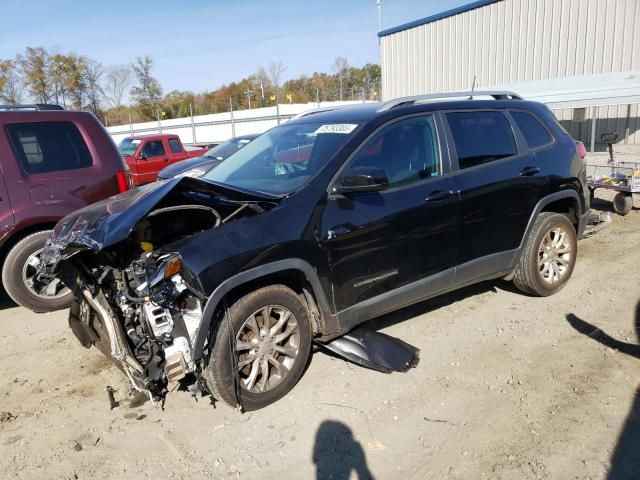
(110, 221)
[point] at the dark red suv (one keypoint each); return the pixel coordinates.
(52, 163)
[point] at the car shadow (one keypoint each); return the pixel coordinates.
(601, 205)
(336, 454)
(438, 302)
(5, 301)
(625, 461)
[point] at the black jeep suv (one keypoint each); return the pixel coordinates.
(333, 218)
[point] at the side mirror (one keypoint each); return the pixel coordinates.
(363, 179)
(141, 156)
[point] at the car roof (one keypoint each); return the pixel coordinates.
(152, 135)
(366, 112)
(250, 136)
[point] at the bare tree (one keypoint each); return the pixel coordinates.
(262, 82)
(10, 83)
(117, 80)
(341, 68)
(92, 74)
(276, 69)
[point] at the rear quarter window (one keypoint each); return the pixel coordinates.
(43, 147)
(174, 145)
(534, 132)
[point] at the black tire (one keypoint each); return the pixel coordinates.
(12, 278)
(528, 276)
(218, 371)
(622, 203)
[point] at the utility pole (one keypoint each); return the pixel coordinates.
(248, 93)
(233, 123)
(318, 97)
(193, 125)
(379, 15)
(262, 93)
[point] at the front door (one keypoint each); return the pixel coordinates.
(500, 183)
(151, 159)
(385, 246)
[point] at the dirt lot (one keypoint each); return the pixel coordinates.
(508, 386)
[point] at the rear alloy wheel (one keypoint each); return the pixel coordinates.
(18, 275)
(622, 203)
(548, 257)
(272, 343)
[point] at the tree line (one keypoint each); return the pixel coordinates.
(120, 94)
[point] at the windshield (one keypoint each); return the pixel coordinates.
(128, 146)
(225, 149)
(283, 159)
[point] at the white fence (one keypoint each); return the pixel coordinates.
(218, 127)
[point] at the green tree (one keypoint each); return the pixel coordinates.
(10, 83)
(147, 92)
(35, 73)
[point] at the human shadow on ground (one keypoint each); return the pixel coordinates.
(625, 461)
(336, 453)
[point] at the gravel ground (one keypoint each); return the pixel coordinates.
(508, 387)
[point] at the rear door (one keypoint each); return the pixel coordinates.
(401, 238)
(500, 183)
(7, 220)
(53, 171)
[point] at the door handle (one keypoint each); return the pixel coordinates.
(438, 195)
(529, 171)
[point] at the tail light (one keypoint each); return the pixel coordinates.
(124, 180)
(580, 148)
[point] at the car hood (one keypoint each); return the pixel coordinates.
(184, 165)
(110, 221)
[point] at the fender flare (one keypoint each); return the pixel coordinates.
(246, 276)
(542, 203)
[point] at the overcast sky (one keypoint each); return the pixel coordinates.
(200, 44)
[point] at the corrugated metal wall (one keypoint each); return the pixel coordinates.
(521, 40)
(512, 41)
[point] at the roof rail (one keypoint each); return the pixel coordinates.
(33, 106)
(497, 95)
(317, 110)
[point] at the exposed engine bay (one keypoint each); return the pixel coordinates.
(135, 299)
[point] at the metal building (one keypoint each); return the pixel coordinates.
(505, 42)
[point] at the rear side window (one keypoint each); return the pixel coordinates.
(481, 137)
(174, 145)
(44, 147)
(533, 131)
(153, 148)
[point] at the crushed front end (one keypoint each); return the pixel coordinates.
(136, 298)
(142, 315)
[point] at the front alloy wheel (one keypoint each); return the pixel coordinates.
(268, 344)
(271, 334)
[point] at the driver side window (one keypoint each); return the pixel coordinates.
(406, 150)
(153, 148)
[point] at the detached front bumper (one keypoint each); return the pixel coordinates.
(592, 222)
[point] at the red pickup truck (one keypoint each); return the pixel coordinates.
(146, 155)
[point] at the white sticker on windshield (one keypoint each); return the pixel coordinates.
(135, 142)
(344, 128)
